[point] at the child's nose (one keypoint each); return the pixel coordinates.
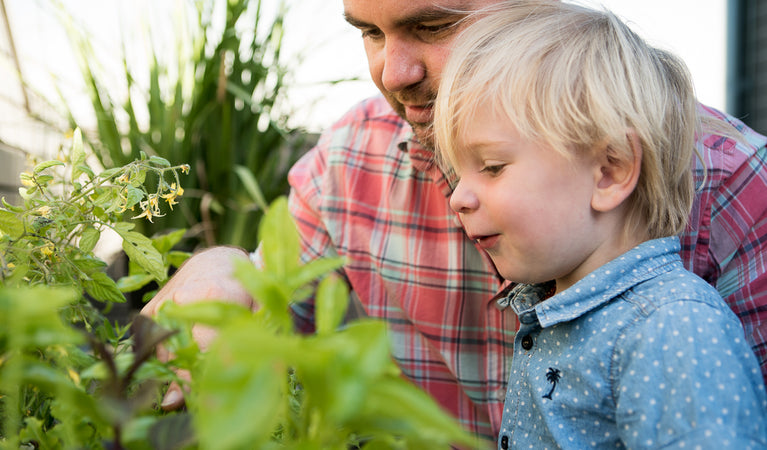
(463, 199)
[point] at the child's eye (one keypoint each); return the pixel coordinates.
(494, 169)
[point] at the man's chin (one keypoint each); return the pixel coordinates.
(424, 134)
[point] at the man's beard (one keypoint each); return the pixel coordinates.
(422, 131)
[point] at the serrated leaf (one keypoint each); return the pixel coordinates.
(140, 250)
(89, 238)
(165, 242)
(133, 196)
(103, 288)
(89, 264)
(132, 283)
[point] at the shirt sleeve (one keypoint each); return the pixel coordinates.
(686, 377)
(739, 248)
(727, 244)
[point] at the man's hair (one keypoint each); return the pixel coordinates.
(578, 79)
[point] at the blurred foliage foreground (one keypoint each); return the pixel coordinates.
(71, 379)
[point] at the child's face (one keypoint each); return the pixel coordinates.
(526, 204)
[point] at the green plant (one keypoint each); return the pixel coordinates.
(71, 379)
(215, 106)
(59, 356)
(262, 385)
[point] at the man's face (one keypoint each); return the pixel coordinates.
(407, 43)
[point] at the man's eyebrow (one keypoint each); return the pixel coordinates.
(356, 22)
(426, 15)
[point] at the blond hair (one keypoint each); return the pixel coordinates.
(576, 79)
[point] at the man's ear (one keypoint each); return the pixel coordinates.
(616, 173)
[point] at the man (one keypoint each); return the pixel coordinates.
(370, 192)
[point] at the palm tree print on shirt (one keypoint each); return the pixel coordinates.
(552, 376)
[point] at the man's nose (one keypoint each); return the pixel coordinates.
(463, 199)
(403, 65)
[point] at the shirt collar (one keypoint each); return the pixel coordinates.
(642, 263)
(421, 157)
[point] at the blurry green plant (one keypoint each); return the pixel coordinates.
(54, 292)
(71, 379)
(262, 385)
(215, 106)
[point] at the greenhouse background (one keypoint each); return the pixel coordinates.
(323, 59)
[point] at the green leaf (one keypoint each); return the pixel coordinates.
(165, 242)
(109, 173)
(279, 238)
(133, 195)
(47, 164)
(89, 238)
(103, 288)
(251, 186)
(10, 207)
(82, 168)
(176, 259)
(331, 303)
(271, 293)
(89, 264)
(213, 313)
(312, 271)
(162, 162)
(77, 154)
(10, 224)
(36, 323)
(132, 283)
(140, 250)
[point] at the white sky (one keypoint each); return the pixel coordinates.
(329, 49)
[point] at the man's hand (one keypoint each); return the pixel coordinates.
(205, 276)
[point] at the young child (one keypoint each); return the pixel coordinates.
(573, 142)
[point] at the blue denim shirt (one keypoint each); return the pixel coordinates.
(640, 353)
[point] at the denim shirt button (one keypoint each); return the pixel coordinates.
(527, 342)
(504, 442)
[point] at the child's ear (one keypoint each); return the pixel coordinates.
(616, 173)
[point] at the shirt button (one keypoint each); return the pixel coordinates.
(527, 342)
(504, 442)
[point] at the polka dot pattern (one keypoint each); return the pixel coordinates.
(639, 354)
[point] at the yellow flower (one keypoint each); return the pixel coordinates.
(48, 249)
(150, 207)
(185, 168)
(27, 179)
(174, 192)
(147, 213)
(44, 211)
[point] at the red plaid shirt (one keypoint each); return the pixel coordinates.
(370, 193)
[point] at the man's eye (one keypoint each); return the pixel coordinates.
(371, 33)
(434, 29)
